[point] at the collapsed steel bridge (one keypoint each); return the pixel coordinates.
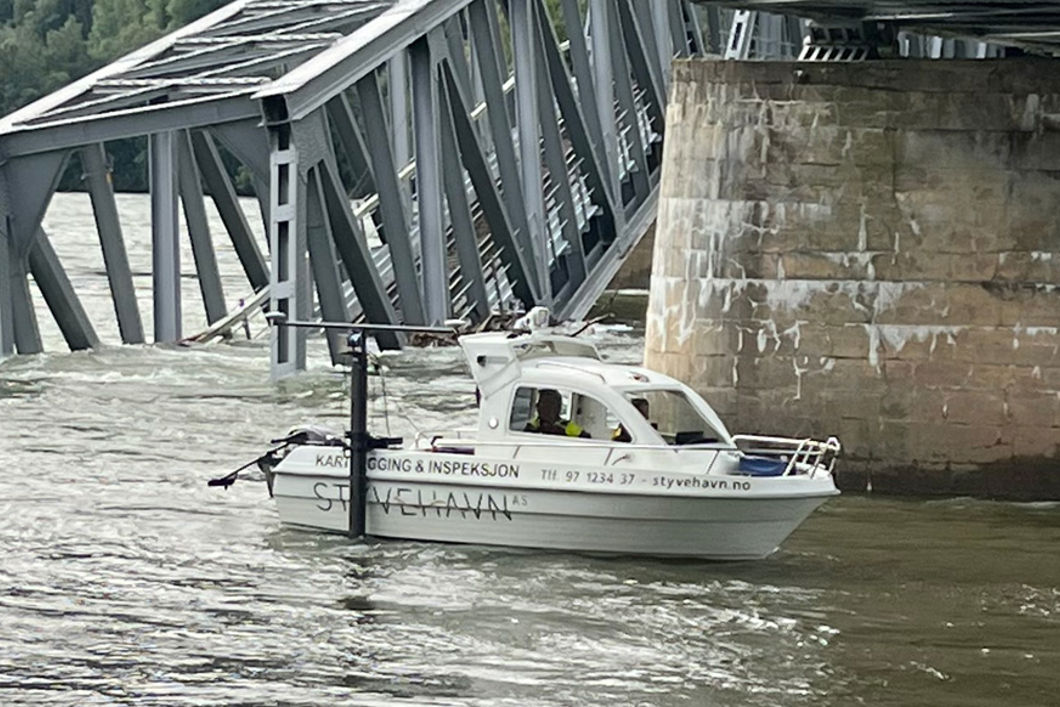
(413, 160)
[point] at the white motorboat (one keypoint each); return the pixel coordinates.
(570, 453)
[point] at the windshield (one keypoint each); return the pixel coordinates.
(674, 416)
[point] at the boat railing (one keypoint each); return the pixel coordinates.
(806, 452)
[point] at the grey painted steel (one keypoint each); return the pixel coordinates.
(26, 331)
(433, 261)
(31, 181)
(324, 264)
(464, 234)
(695, 34)
(115, 259)
(57, 291)
(398, 90)
(192, 113)
(190, 188)
(318, 80)
(715, 31)
(578, 304)
(664, 41)
(26, 187)
(224, 198)
(391, 208)
(289, 288)
(578, 134)
(603, 70)
(678, 33)
(642, 62)
(642, 12)
(483, 20)
(579, 57)
(356, 257)
(554, 155)
(523, 50)
(340, 116)
(248, 143)
(520, 271)
(7, 313)
(454, 40)
(165, 241)
(628, 105)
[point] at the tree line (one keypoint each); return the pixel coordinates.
(46, 44)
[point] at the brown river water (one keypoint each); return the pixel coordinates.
(125, 579)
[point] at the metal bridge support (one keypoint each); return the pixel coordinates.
(224, 198)
(165, 236)
(289, 287)
(433, 262)
(97, 177)
(57, 291)
(523, 56)
(488, 175)
(190, 189)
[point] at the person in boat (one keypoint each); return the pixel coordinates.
(621, 434)
(548, 421)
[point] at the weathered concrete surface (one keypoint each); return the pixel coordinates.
(870, 250)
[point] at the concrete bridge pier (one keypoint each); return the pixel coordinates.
(870, 250)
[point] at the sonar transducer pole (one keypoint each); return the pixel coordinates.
(360, 442)
(358, 432)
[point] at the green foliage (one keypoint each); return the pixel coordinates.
(47, 44)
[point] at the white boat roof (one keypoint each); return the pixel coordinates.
(613, 375)
(496, 358)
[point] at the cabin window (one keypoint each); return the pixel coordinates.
(674, 416)
(574, 414)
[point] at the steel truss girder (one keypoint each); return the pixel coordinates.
(391, 207)
(521, 271)
(220, 189)
(324, 264)
(58, 292)
(115, 259)
(550, 205)
(190, 188)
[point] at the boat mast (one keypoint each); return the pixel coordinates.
(360, 442)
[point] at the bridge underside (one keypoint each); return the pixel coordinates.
(1032, 25)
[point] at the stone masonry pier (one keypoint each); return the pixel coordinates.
(870, 250)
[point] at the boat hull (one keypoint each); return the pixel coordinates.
(747, 520)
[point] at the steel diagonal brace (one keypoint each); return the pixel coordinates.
(520, 272)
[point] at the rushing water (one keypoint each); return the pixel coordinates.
(125, 579)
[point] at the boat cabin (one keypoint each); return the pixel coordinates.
(545, 384)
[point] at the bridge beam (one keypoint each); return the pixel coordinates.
(324, 264)
(357, 258)
(24, 316)
(524, 49)
(289, 285)
(464, 234)
(55, 287)
(220, 189)
(340, 117)
(165, 236)
(554, 157)
(190, 189)
(434, 264)
(483, 21)
(520, 267)
(396, 231)
(7, 312)
(96, 176)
